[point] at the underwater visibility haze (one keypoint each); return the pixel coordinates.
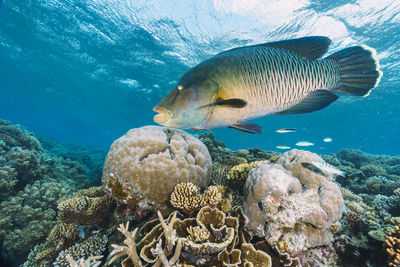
(134, 133)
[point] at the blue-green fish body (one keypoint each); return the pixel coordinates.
(283, 77)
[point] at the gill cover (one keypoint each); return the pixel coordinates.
(180, 108)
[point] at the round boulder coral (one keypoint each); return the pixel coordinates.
(143, 166)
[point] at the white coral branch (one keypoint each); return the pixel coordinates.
(129, 249)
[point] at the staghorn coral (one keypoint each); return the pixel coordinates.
(392, 246)
(89, 262)
(87, 206)
(143, 166)
(291, 217)
(186, 197)
(129, 250)
(93, 246)
(240, 171)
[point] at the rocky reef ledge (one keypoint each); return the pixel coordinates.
(169, 198)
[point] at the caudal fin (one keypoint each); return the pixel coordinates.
(359, 70)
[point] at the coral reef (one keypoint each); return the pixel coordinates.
(240, 171)
(143, 166)
(93, 246)
(28, 217)
(392, 246)
(289, 216)
(186, 197)
(191, 241)
(90, 158)
(291, 202)
(87, 206)
(15, 136)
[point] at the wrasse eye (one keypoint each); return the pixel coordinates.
(180, 86)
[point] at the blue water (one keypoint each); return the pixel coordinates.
(87, 71)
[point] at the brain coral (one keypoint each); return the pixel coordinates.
(143, 166)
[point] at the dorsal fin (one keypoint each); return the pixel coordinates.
(314, 101)
(312, 47)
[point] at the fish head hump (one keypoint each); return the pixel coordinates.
(181, 108)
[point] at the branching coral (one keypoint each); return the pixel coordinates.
(187, 198)
(29, 216)
(8, 179)
(143, 166)
(13, 136)
(128, 250)
(89, 262)
(392, 244)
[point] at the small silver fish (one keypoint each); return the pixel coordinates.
(283, 147)
(327, 140)
(304, 143)
(283, 77)
(290, 130)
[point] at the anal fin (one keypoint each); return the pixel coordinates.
(247, 127)
(314, 101)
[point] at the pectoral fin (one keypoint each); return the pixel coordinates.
(247, 127)
(232, 102)
(314, 101)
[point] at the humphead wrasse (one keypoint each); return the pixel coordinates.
(284, 77)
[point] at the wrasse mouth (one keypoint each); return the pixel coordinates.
(163, 115)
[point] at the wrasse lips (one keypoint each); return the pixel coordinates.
(162, 116)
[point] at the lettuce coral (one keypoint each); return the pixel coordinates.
(143, 166)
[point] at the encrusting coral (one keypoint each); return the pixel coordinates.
(143, 166)
(186, 197)
(87, 206)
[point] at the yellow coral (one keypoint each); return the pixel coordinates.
(186, 197)
(240, 171)
(197, 234)
(392, 245)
